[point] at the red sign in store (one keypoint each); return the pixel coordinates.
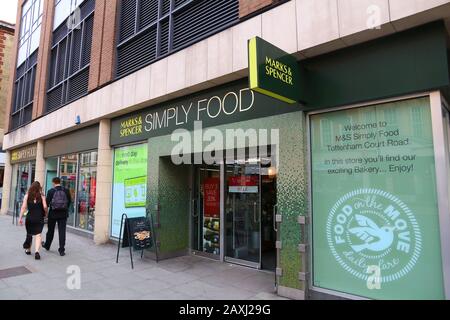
(211, 197)
(243, 184)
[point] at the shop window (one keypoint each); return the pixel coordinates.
(87, 184)
(78, 173)
(130, 184)
(68, 168)
(326, 132)
(417, 121)
(23, 175)
(374, 203)
(71, 53)
(29, 38)
(151, 29)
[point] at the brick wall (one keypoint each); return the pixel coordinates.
(6, 53)
(103, 43)
(247, 7)
(12, 68)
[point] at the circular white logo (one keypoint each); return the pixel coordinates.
(371, 227)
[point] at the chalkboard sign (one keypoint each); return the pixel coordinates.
(137, 234)
(140, 232)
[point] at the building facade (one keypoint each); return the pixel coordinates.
(6, 53)
(139, 106)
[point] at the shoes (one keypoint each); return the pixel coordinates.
(28, 252)
(62, 253)
(37, 256)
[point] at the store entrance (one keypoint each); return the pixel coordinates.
(205, 211)
(249, 214)
(233, 212)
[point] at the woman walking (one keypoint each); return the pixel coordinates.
(35, 203)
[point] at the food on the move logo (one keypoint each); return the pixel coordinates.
(371, 227)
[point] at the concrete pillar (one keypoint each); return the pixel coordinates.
(104, 184)
(40, 163)
(6, 184)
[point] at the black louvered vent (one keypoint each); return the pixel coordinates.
(200, 19)
(87, 42)
(76, 51)
(78, 85)
(165, 7)
(148, 13)
(179, 3)
(70, 59)
(170, 24)
(22, 106)
(143, 47)
(164, 43)
(55, 98)
(127, 19)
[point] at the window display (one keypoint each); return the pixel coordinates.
(78, 174)
(68, 170)
(22, 178)
(374, 202)
(86, 191)
(130, 184)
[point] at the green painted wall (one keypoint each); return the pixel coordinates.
(408, 62)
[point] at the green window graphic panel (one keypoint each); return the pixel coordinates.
(135, 192)
(130, 184)
(374, 202)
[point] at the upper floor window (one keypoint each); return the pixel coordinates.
(71, 53)
(29, 38)
(150, 29)
(63, 10)
(30, 29)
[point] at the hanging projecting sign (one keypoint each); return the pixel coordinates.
(273, 72)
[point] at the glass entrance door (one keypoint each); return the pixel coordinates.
(243, 213)
(205, 211)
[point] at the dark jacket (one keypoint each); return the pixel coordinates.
(60, 214)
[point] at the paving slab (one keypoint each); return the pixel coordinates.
(101, 278)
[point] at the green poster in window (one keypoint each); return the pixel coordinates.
(374, 202)
(130, 184)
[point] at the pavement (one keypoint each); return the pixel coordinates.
(89, 272)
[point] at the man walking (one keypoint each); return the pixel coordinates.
(58, 199)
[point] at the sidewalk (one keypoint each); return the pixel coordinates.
(185, 278)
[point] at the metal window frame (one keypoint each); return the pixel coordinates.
(20, 104)
(436, 101)
(67, 72)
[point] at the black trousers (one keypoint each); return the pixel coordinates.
(62, 223)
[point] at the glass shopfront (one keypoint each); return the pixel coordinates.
(130, 184)
(22, 177)
(247, 223)
(78, 173)
(375, 227)
(23, 173)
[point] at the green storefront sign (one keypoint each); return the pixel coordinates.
(273, 72)
(227, 104)
(374, 202)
